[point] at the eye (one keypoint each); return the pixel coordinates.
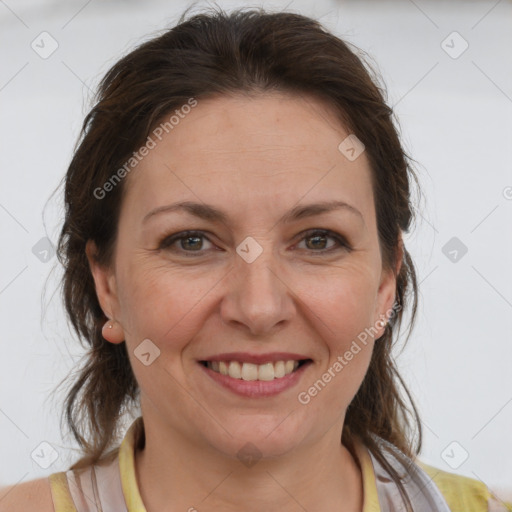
(317, 241)
(192, 242)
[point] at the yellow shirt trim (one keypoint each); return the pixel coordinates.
(62, 501)
(127, 467)
(371, 497)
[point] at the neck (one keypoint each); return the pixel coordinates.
(174, 473)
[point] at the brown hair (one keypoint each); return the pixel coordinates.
(215, 53)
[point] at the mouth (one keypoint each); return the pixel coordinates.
(268, 371)
(253, 375)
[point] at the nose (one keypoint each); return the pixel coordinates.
(259, 299)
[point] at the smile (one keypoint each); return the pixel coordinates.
(251, 372)
(253, 380)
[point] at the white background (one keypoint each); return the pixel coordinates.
(456, 121)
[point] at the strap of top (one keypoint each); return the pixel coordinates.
(97, 488)
(421, 490)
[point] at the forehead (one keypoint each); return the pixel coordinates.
(250, 152)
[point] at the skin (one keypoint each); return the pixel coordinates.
(255, 158)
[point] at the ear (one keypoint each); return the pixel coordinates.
(106, 291)
(386, 294)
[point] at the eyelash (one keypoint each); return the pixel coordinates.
(167, 241)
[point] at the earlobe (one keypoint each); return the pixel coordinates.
(387, 293)
(386, 299)
(112, 331)
(104, 282)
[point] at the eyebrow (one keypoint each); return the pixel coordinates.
(208, 212)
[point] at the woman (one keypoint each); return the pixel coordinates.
(233, 256)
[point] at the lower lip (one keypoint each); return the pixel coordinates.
(257, 388)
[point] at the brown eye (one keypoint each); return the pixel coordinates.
(189, 242)
(317, 241)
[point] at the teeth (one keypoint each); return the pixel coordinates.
(250, 371)
(266, 371)
(223, 367)
(279, 369)
(235, 370)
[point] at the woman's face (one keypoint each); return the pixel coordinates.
(259, 285)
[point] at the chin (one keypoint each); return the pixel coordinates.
(260, 436)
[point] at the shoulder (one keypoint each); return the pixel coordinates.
(31, 495)
(461, 492)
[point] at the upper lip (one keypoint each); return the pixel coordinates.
(245, 357)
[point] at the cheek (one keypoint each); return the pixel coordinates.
(343, 310)
(162, 303)
(344, 303)
(344, 314)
